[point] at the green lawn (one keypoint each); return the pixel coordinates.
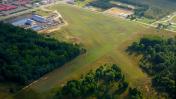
(105, 39)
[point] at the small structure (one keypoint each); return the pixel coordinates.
(36, 4)
(70, 1)
(46, 1)
(36, 28)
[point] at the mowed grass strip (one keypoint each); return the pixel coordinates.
(103, 37)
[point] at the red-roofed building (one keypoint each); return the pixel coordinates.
(23, 2)
(5, 7)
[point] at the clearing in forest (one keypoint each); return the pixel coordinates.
(105, 39)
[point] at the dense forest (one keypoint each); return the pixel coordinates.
(106, 82)
(26, 55)
(159, 61)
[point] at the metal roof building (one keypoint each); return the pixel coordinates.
(30, 22)
(39, 18)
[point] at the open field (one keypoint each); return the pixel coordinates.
(100, 35)
(105, 39)
(173, 19)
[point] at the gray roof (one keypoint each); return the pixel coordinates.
(38, 18)
(29, 22)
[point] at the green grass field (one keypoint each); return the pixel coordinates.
(99, 34)
(174, 19)
(105, 39)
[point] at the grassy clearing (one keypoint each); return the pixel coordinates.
(105, 39)
(99, 34)
(173, 19)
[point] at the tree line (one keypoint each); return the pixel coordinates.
(106, 82)
(142, 8)
(159, 61)
(139, 11)
(26, 55)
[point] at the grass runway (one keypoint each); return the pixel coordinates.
(105, 39)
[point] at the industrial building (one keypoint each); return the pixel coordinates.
(39, 18)
(30, 22)
(38, 22)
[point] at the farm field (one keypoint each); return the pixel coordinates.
(105, 39)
